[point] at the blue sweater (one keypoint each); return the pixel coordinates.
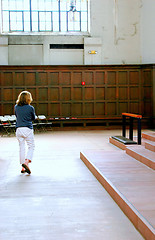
(24, 116)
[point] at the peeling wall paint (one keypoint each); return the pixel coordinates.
(135, 29)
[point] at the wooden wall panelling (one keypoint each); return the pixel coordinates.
(6, 88)
(53, 94)
(42, 93)
(111, 93)
(147, 91)
(65, 94)
(99, 93)
(30, 78)
(105, 92)
(123, 91)
(8, 108)
(7, 78)
(19, 79)
(30, 85)
(58, 91)
(89, 93)
(83, 94)
(134, 91)
(54, 109)
(77, 93)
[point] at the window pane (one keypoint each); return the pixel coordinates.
(12, 5)
(78, 5)
(41, 5)
(72, 15)
(5, 5)
(5, 21)
(16, 21)
(77, 26)
(48, 26)
(26, 5)
(83, 5)
(63, 6)
(63, 26)
(55, 5)
(35, 27)
(34, 21)
(13, 26)
(63, 22)
(19, 5)
(55, 17)
(34, 17)
(34, 5)
(5, 16)
(26, 22)
(19, 26)
(26, 17)
(13, 16)
(70, 26)
(42, 26)
(42, 16)
(48, 21)
(84, 17)
(56, 26)
(77, 17)
(48, 5)
(83, 26)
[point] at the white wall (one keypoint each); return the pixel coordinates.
(148, 31)
(124, 29)
(3, 50)
(25, 54)
(115, 21)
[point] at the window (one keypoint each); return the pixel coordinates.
(44, 15)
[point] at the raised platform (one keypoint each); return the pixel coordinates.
(129, 182)
(149, 135)
(143, 153)
(150, 146)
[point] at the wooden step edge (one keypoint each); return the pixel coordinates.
(148, 162)
(140, 223)
(149, 136)
(150, 146)
(117, 143)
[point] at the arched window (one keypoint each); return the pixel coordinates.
(44, 15)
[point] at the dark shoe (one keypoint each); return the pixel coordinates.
(23, 170)
(26, 168)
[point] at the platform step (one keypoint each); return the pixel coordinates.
(129, 182)
(150, 135)
(117, 143)
(124, 140)
(150, 146)
(142, 154)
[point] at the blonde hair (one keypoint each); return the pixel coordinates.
(24, 98)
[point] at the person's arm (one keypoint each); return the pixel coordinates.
(15, 111)
(33, 114)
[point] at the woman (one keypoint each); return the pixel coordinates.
(25, 114)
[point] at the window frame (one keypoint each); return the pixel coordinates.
(51, 31)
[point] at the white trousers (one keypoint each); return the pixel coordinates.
(23, 135)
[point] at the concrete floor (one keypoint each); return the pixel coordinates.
(61, 199)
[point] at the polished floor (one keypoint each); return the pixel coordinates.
(61, 199)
